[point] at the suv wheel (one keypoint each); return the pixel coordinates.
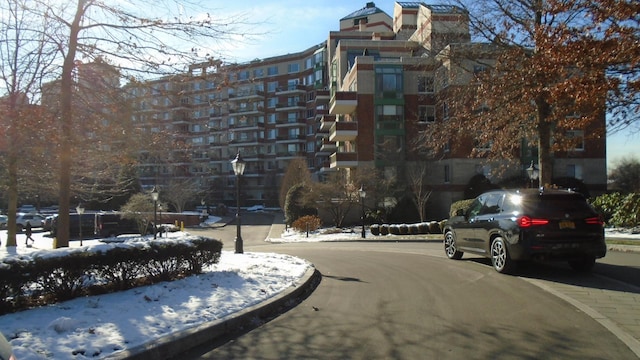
(450, 246)
(500, 258)
(584, 264)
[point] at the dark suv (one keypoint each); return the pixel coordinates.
(508, 226)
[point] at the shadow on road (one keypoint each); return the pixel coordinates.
(560, 272)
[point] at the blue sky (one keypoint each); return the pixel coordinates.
(288, 26)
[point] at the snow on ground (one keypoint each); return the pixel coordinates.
(98, 326)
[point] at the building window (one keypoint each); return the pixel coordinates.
(293, 68)
(576, 139)
(272, 86)
(258, 73)
(389, 83)
(426, 84)
(272, 70)
(574, 171)
(447, 174)
(292, 84)
(243, 75)
(271, 102)
(445, 111)
(426, 113)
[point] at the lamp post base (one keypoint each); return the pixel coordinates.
(238, 242)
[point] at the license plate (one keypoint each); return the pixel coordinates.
(565, 224)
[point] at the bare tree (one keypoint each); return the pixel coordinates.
(417, 183)
(138, 41)
(337, 196)
(25, 60)
(296, 173)
(625, 175)
(179, 192)
(537, 77)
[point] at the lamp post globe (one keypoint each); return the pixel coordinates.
(80, 211)
(238, 165)
(533, 173)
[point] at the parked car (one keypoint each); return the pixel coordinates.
(87, 221)
(27, 209)
(36, 221)
(3, 221)
(113, 224)
(46, 225)
(509, 226)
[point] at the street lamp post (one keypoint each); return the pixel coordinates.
(154, 197)
(533, 173)
(80, 211)
(363, 194)
(160, 216)
(238, 168)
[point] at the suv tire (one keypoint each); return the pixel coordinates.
(584, 264)
(500, 258)
(450, 246)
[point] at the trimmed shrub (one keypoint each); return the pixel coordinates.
(403, 229)
(461, 204)
(423, 227)
(307, 222)
(384, 229)
(434, 228)
(375, 229)
(414, 229)
(295, 207)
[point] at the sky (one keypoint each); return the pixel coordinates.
(289, 26)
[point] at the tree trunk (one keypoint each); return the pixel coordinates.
(545, 161)
(66, 126)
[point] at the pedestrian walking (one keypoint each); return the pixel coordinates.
(29, 232)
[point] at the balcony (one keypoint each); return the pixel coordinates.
(291, 105)
(343, 160)
(322, 97)
(248, 95)
(343, 102)
(291, 89)
(320, 113)
(326, 122)
(343, 131)
(326, 167)
(326, 148)
(291, 123)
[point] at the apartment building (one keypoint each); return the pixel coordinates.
(265, 110)
(356, 102)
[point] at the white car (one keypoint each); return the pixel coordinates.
(3, 221)
(36, 221)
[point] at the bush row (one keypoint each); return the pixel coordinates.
(619, 210)
(431, 227)
(61, 275)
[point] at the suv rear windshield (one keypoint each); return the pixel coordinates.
(552, 205)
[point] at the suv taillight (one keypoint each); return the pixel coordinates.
(526, 221)
(596, 220)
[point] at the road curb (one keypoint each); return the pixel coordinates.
(174, 344)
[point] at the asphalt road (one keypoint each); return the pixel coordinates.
(407, 301)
